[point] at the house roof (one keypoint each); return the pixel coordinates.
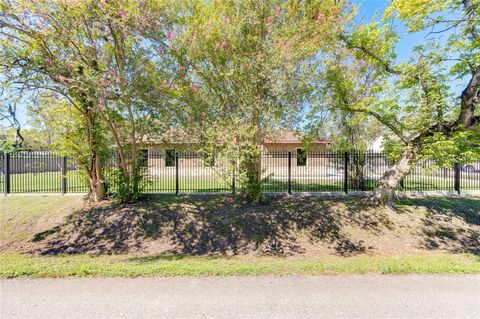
(289, 137)
(177, 136)
(171, 136)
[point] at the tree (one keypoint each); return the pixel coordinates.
(415, 100)
(244, 72)
(9, 119)
(70, 135)
(94, 54)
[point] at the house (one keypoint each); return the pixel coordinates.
(162, 150)
(377, 144)
(284, 142)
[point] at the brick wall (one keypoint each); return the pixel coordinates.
(274, 155)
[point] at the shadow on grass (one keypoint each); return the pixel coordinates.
(441, 226)
(466, 208)
(214, 225)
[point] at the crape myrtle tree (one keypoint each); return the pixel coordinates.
(415, 100)
(95, 55)
(64, 124)
(244, 72)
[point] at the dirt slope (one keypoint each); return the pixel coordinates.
(225, 225)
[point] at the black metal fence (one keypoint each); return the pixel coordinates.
(282, 171)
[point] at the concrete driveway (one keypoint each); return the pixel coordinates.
(244, 297)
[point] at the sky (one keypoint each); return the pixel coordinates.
(367, 11)
(407, 42)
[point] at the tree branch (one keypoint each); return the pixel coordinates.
(470, 98)
(368, 52)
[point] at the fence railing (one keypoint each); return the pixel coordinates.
(282, 171)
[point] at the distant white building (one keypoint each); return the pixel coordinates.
(377, 144)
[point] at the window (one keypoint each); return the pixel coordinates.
(301, 157)
(170, 158)
(143, 155)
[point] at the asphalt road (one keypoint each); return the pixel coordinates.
(244, 297)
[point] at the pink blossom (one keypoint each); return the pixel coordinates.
(102, 3)
(246, 66)
(283, 44)
(195, 88)
(222, 45)
(320, 16)
(62, 79)
(278, 11)
(104, 81)
(170, 34)
(48, 61)
(181, 68)
(269, 20)
(226, 20)
(122, 13)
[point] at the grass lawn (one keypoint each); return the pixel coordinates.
(164, 235)
(50, 182)
(131, 265)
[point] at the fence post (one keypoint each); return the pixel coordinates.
(345, 172)
(234, 189)
(289, 173)
(6, 170)
(176, 174)
(456, 169)
(64, 175)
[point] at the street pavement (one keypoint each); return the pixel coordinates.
(369, 296)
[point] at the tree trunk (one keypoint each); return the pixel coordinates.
(356, 169)
(98, 191)
(384, 194)
(250, 165)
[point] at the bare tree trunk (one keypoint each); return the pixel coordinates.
(384, 194)
(94, 168)
(100, 190)
(97, 190)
